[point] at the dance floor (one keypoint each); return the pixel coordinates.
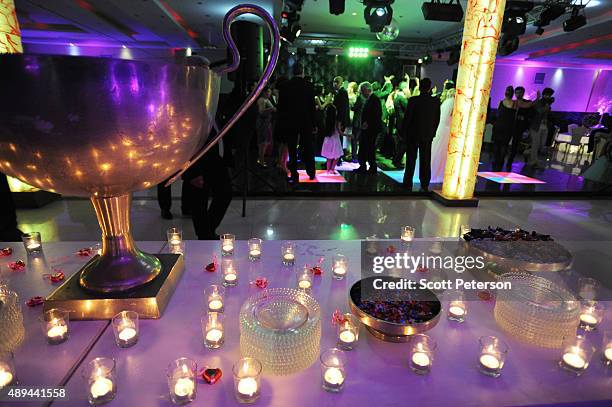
(555, 178)
(321, 176)
(509, 178)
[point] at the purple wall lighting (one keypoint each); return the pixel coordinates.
(576, 89)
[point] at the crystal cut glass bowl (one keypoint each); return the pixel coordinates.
(536, 310)
(281, 327)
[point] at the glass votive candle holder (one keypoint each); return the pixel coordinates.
(255, 248)
(55, 325)
(247, 380)
(591, 314)
(587, 288)
(175, 236)
(339, 266)
(288, 253)
(436, 247)
(100, 376)
(607, 348)
(304, 279)
(182, 380)
(422, 348)
(8, 375)
(230, 272)
(32, 242)
(227, 244)
(457, 306)
(348, 332)
(125, 328)
(214, 295)
(333, 370)
(463, 230)
(493, 353)
(212, 329)
(576, 355)
(407, 234)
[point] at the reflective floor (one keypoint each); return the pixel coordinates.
(338, 218)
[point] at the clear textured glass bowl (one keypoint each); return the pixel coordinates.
(536, 310)
(12, 331)
(281, 327)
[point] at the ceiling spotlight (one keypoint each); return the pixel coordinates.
(437, 11)
(508, 44)
(515, 17)
(420, 61)
(71, 44)
(336, 7)
(123, 46)
(549, 14)
(378, 14)
(290, 28)
(576, 21)
(358, 52)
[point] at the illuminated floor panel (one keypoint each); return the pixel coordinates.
(509, 178)
(322, 177)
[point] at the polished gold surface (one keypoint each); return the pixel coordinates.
(148, 301)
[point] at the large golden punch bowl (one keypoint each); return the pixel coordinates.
(100, 127)
(103, 128)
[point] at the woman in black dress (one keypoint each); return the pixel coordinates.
(504, 128)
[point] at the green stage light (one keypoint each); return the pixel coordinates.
(357, 52)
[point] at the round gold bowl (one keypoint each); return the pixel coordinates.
(423, 308)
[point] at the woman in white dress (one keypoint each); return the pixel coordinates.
(439, 146)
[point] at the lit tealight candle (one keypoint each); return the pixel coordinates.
(33, 246)
(255, 252)
(289, 257)
(227, 248)
(588, 319)
(347, 336)
(490, 361)
(57, 331)
(333, 376)
(126, 334)
(420, 359)
(574, 360)
(456, 311)
(608, 353)
(216, 304)
(184, 387)
(304, 284)
(231, 277)
(247, 386)
(6, 377)
(214, 335)
(339, 271)
(101, 387)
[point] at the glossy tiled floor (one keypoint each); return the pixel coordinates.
(338, 218)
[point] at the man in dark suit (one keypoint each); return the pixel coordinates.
(341, 103)
(371, 126)
(296, 109)
(418, 130)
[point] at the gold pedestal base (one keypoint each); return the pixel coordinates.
(149, 300)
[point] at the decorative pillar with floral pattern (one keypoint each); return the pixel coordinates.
(481, 31)
(10, 36)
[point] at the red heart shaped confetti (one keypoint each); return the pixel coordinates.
(55, 277)
(34, 301)
(422, 269)
(317, 271)
(86, 251)
(211, 267)
(261, 282)
(338, 317)
(211, 375)
(391, 249)
(7, 251)
(18, 265)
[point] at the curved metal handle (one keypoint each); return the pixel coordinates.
(230, 17)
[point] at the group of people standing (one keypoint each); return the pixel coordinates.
(515, 117)
(352, 121)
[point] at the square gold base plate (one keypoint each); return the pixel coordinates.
(149, 301)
